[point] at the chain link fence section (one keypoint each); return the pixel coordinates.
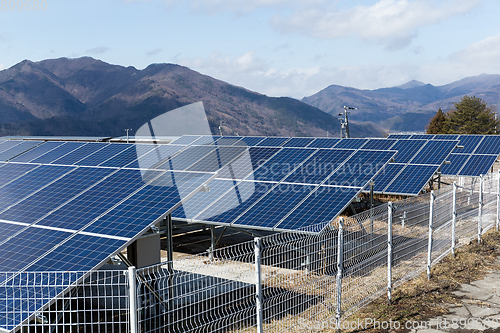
(74, 301)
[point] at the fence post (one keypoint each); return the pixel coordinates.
(258, 285)
(389, 251)
(429, 247)
(132, 298)
(340, 264)
(480, 217)
(498, 201)
(454, 219)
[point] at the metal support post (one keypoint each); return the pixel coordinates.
(403, 219)
(389, 252)
(498, 201)
(454, 219)
(429, 247)
(258, 285)
(212, 243)
(340, 264)
(372, 184)
(132, 298)
(480, 216)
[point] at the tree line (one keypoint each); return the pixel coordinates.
(469, 116)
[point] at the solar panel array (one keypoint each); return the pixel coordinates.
(61, 209)
(476, 158)
(284, 184)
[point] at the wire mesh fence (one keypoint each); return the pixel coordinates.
(279, 283)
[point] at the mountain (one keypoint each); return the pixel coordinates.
(407, 107)
(86, 96)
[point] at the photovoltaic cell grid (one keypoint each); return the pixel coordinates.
(96, 211)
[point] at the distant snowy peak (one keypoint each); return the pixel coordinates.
(411, 84)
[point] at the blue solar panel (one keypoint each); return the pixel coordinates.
(298, 142)
(272, 142)
(324, 143)
(247, 163)
(206, 140)
(281, 164)
(186, 158)
(319, 167)
(489, 145)
(18, 149)
(319, 209)
(86, 253)
(456, 163)
(104, 154)
(360, 168)
(11, 171)
(386, 175)
(29, 184)
(446, 137)
(469, 142)
(230, 141)
(58, 152)
(203, 199)
(351, 143)
(80, 153)
(127, 156)
(149, 204)
(37, 151)
(423, 136)
(268, 211)
(478, 165)
(412, 179)
(399, 136)
(89, 205)
(380, 144)
(8, 230)
(245, 195)
(434, 152)
(8, 144)
(153, 158)
(19, 251)
(186, 140)
(252, 140)
(49, 198)
(407, 149)
(218, 158)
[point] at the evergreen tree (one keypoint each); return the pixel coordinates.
(471, 116)
(437, 123)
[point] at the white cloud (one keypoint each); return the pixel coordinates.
(391, 22)
(483, 53)
(98, 50)
(153, 52)
(1, 67)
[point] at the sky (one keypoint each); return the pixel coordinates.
(289, 48)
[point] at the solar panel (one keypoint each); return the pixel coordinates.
(407, 149)
(446, 137)
(282, 164)
(58, 152)
(411, 180)
(422, 136)
(79, 153)
(244, 166)
(434, 152)
(469, 142)
(252, 140)
(298, 142)
(478, 165)
(104, 154)
(186, 140)
(6, 145)
(386, 176)
(324, 143)
(489, 145)
(230, 141)
(457, 161)
(153, 158)
(319, 167)
(399, 136)
(272, 142)
(380, 144)
(319, 209)
(351, 143)
(206, 140)
(126, 157)
(37, 151)
(18, 149)
(12, 171)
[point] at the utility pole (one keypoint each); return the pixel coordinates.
(344, 122)
(126, 130)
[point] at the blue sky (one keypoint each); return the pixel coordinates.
(276, 47)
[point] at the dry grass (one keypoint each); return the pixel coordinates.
(420, 299)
